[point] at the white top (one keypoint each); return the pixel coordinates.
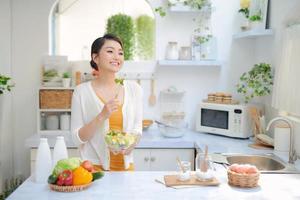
(86, 106)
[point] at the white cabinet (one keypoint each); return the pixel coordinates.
(55, 103)
(144, 159)
(74, 152)
(161, 159)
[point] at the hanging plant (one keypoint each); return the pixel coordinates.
(5, 84)
(145, 37)
(123, 26)
(256, 82)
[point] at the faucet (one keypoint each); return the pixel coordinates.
(292, 152)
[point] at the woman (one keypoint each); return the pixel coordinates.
(102, 104)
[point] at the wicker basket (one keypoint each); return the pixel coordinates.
(55, 99)
(73, 188)
(243, 180)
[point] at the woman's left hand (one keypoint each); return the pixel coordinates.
(131, 147)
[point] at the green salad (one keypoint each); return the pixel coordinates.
(118, 140)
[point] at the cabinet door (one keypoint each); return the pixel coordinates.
(165, 159)
(141, 159)
(71, 153)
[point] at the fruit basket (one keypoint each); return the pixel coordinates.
(73, 175)
(119, 141)
(72, 188)
(245, 176)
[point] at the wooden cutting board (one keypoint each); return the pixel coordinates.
(171, 180)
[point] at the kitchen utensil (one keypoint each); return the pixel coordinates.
(152, 97)
(204, 162)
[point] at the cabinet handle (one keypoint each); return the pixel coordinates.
(152, 159)
(146, 159)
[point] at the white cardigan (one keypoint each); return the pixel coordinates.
(86, 106)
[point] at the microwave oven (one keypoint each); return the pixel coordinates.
(224, 119)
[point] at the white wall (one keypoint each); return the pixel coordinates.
(6, 133)
(30, 42)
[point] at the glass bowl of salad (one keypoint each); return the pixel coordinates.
(119, 141)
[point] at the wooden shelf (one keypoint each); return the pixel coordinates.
(189, 63)
(253, 34)
(55, 110)
(56, 88)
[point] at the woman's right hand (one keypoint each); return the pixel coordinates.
(110, 107)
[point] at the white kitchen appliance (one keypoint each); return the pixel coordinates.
(224, 119)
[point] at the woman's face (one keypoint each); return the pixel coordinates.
(110, 56)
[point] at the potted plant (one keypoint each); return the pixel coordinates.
(66, 79)
(5, 84)
(123, 26)
(244, 11)
(256, 82)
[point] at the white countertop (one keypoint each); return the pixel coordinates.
(142, 185)
(153, 139)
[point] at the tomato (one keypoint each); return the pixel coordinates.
(87, 165)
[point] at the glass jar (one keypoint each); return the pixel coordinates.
(184, 170)
(185, 53)
(172, 51)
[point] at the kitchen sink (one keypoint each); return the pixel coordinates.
(266, 163)
(262, 162)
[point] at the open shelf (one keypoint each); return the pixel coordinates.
(54, 132)
(55, 110)
(253, 34)
(189, 63)
(187, 9)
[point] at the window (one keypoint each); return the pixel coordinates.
(75, 24)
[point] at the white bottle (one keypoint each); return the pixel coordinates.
(60, 150)
(43, 165)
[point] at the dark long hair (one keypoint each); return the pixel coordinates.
(98, 43)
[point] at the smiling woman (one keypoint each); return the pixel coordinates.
(75, 23)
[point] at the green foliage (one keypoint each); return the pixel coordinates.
(10, 186)
(255, 18)
(245, 11)
(5, 84)
(50, 73)
(195, 4)
(203, 39)
(256, 82)
(161, 11)
(145, 37)
(123, 26)
(66, 75)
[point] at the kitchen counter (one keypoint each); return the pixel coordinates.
(153, 139)
(142, 185)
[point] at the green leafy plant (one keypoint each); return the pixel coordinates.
(145, 37)
(256, 82)
(194, 4)
(123, 26)
(50, 73)
(66, 75)
(5, 84)
(203, 39)
(10, 186)
(255, 18)
(245, 11)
